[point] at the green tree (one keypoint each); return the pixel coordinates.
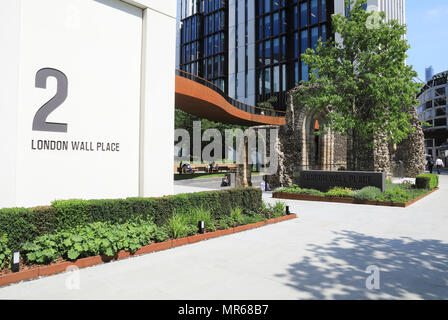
(269, 104)
(362, 81)
(185, 121)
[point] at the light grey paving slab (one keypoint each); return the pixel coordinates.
(323, 254)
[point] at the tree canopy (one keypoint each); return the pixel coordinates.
(364, 83)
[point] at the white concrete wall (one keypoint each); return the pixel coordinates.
(394, 9)
(158, 115)
(119, 60)
(9, 98)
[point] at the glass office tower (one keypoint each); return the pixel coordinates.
(204, 41)
(252, 49)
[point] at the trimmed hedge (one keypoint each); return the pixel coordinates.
(23, 225)
(427, 181)
(18, 225)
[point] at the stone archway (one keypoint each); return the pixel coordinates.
(299, 147)
(316, 149)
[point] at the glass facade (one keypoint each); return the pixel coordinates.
(285, 29)
(282, 31)
(204, 42)
(272, 42)
(433, 111)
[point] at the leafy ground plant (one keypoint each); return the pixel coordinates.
(367, 193)
(5, 253)
(201, 214)
(394, 195)
(340, 192)
(179, 226)
(97, 238)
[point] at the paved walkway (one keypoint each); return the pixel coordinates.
(323, 254)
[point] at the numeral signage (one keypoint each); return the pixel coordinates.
(40, 119)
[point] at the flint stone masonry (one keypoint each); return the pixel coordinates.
(296, 148)
(326, 180)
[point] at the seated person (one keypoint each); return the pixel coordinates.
(211, 166)
(225, 181)
(265, 186)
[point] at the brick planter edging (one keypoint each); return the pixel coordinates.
(60, 267)
(305, 197)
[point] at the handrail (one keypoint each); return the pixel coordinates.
(237, 104)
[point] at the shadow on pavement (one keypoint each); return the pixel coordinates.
(409, 268)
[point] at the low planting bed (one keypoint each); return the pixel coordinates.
(88, 232)
(396, 195)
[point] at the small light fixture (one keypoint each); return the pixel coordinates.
(287, 211)
(15, 265)
(201, 227)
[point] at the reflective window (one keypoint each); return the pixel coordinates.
(276, 49)
(284, 84)
(276, 79)
(314, 12)
(283, 21)
(267, 81)
(323, 11)
(303, 14)
(314, 37)
(303, 41)
(276, 24)
(440, 122)
(267, 6)
(267, 26)
(305, 75)
(267, 52)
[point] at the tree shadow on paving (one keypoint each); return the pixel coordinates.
(417, 268)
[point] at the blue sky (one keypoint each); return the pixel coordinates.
(427, 22)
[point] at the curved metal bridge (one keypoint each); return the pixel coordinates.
(202, 98)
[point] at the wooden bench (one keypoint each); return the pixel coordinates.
(204, 168)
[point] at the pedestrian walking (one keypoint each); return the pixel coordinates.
(430, 165)
(439, 164)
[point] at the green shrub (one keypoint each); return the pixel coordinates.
(298, 190)
(44, 219)
(269, 211)
(17, 225)
(427, 181)
(367, 193)
(24, 225)
(396, 195)
(236, 216)
(43, 250)
(161, 234)
(179, 226)
(201, 214)
(292, 189)
(99, 238)
(278, 209)
(340, 192)
(5, 253)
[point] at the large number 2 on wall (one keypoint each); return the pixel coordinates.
(40, 119)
